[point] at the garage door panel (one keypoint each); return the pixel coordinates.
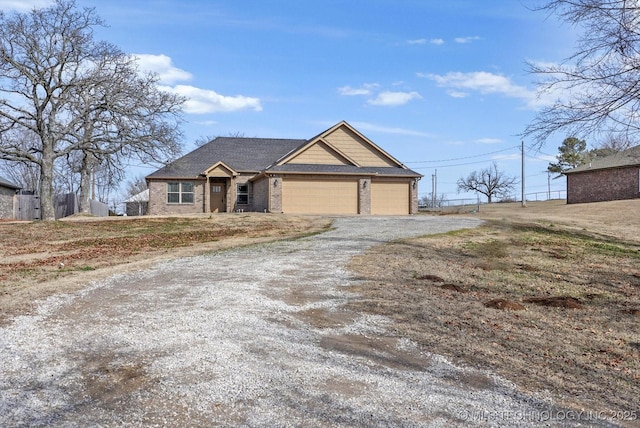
(389, 198)
(305, 196)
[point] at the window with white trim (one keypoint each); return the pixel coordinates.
(180, 192)
(242, 194)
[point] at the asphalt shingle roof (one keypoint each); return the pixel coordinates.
(241, 154)
(257, 155)
(629, 157)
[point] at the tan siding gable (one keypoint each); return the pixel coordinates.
(319, 153)
(220, 170)
(358, 149)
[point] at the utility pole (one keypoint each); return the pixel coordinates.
(548, 185)
(433, 190)
(524, 198)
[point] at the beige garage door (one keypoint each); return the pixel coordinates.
(389, 198)
(304, 196)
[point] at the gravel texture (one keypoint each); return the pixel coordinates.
(255, 336)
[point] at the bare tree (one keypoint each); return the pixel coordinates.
(121, 113)
(136, 186)
(77, 95)
(24, 173)
(429, 201)
(599, 82)
(489, 182)
(201, 141)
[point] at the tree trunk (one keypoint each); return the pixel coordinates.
(88, 166)
(47, 208)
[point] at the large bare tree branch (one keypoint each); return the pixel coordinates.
(81, 98)
(599, 84)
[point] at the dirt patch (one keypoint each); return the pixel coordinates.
(504, 304)
(323, 318)
(378, 350)
(566, 302)
(575, 268)
(39, 259)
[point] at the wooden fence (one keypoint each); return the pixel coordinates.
(27, 207)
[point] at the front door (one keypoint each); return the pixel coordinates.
(218, 196)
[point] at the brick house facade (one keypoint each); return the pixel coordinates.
(339, 171)
(610, 178)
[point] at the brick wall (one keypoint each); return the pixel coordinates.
(275, 194)
(6, 202)
(364, 196)
(260, 191)
(413, 197)
(158, 199)
(603, 185)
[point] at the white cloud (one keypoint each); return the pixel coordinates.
(365, 89)
(466, 39)
(199, 101)
(366, 126)
(457, 94)
(484, 83)
(202, 101)
(389, 98)
(162, 65)
(488, 140)
(380, 98)
(24, 5)
(425, 41)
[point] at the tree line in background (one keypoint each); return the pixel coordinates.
(74, 111)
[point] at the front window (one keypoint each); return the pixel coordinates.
(180, 192)
(243, 194)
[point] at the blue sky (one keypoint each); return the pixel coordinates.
(438, 84)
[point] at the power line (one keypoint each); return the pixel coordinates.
(467, 157)
(449, 166)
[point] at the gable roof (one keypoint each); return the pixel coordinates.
(240, 154)
(260, 155)
(625, 158)
(6, 183)
(358, 150)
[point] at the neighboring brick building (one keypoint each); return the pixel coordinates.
(610, 178)
(7, 192)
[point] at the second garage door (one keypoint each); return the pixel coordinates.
(389, 198)
(306, 196)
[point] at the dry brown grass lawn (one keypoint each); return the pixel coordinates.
(38, 259)
(547, 296)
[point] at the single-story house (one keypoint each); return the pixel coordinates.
(7, 192)
(339, 171)
(608, 178)
(137, 204)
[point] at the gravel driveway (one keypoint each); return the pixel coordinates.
(256, 336)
